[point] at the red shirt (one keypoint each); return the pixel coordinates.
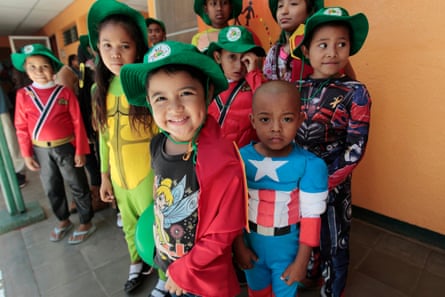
(63, 119)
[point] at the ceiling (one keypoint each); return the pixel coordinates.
(25, 17)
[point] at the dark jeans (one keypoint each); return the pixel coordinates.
(92, 166)
(56, 168)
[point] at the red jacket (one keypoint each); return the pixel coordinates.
(63, 119)
(207, 270)
(235, 124)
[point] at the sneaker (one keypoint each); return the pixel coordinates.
(21, 180)
(119, 220)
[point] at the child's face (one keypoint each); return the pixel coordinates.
(231, 63)
(116, 47)
(178, 103)
(219, 12)
(276, 118)
(155, 34)
(39, 69)
(290, 14)
(328, 51)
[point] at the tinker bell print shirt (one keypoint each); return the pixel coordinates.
(175, 198)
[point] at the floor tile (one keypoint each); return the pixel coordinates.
(430, 285)
(390, 270)
(361, 285)
(436, 263)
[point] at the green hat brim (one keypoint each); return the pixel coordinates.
(101, 9)
(134, 76)
(150, 21)
(198, 6)
(359, 28)
(18, 59)
(235, 48)
(273, 6)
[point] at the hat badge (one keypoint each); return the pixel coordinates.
(333, 11)
(159, 52)
(28, 49)
(233, 34)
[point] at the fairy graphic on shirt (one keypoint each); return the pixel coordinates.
(173, 204)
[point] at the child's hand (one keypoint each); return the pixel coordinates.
(244, 256)
(106, 189)
(294, 273)
(79, 160)
(251, 61)
(32, 164)
(173, 288)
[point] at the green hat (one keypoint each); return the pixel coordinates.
(134, 76)
(19, 58)
(102, 9)
(150, 21)
(273, 5)
(198, 6)
(236, 39)
(358, 24)
(84, 42)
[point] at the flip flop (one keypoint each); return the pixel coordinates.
(85, 234)
(59, 233)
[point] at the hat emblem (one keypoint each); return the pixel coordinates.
(28, 49)
(333, 11)
(159, 52)
(233, 34)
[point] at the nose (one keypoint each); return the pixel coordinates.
(175, 105)
(284, 9)
(115, 54)
(276, 126)
(332, 52)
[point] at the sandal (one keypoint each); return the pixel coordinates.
(59, 233)
(136, 281)
(81, 236)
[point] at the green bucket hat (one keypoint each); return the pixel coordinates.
(273, 5)
(235, 39)
(37, 49)
(358, 24)
(102, 9)
(198, 6)
(150, 21)
(134, 76)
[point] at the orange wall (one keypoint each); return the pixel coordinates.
(403, 173)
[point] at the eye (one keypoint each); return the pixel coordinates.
(264, 120)
(323, 45)
(157, 99)
(342, 44)
(125, 46)
(288, 119)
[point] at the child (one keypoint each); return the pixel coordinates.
(289, 14)
(240, 60)
(50, 128)
(156, 31)
(336, 127)
(199, 202)
(119, 35)
(216, 14)
(287, 194)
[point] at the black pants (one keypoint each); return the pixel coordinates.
(56, 168)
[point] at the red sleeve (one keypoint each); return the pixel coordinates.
(255, 79)
(21, 124)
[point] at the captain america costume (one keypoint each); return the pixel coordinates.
(335, 129)
(285, 193)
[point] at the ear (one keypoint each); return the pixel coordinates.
(210, 91)
(301, 118)
(217, 57)
(305, 51)
(252, 120)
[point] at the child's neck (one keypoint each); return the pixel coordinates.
(44, 86)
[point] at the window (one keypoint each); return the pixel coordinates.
(70, 35)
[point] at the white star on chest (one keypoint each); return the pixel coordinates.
(267, 167)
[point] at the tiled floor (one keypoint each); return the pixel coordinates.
(383, 264)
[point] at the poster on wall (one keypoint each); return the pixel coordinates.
(256, 16)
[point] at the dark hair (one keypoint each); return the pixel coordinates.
(310, 36)
(282, 39)
(71, 58)
(175, 68)
(103, 77)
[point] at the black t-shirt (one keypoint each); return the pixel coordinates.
(176, 192)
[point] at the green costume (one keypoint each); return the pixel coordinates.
(124, 153)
